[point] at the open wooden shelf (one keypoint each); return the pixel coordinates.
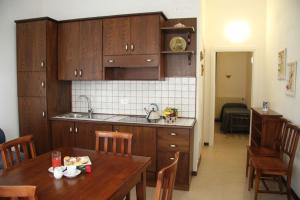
(178, 52)
(188, 29)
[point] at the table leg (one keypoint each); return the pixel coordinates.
(141, 187)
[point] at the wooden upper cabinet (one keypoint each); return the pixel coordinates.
(68, 50)
(116, 36)
(80, 50)
(131, 35)
(31, 42)
(145, 34)
(91, 49)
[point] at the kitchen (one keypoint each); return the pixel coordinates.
(79, 76)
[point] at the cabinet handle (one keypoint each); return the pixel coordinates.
(173, 134)
(71, 129)
(42, 64)
(80, 73)
(75, 72)
(111, 61)
(132, 47)
(172, 158)
(76, 130)
(172, 145)
(148, 60)
(126, 47)
(43, 84)
(44, 114)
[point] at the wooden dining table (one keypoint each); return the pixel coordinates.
(112, 176)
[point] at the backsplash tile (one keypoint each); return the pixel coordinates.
(130, 97)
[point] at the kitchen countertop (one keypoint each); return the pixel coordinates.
(130, 119)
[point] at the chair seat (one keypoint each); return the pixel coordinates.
(262, 151)
(269, 165)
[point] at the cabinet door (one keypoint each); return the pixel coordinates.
(62, 134)
(143, 142)
(33, 121)
(116, 36)
(145, 35)
(31, 84)
(31, 46)
(90, 50)
(85, 134)
(68, 50)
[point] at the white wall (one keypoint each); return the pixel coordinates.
(218, 14)
(283, 30)
(11, 10)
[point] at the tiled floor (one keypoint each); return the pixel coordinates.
(221, 175)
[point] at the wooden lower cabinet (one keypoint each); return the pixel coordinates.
(158, 143)
(76, 134)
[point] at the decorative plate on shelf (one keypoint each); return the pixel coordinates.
(177, 44)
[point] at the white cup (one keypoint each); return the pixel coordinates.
(71, 169)
(57, 172)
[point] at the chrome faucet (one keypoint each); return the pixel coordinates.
(90, 110)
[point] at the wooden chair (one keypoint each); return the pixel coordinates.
(166, 180)
(265, 167)
(11, 153)
(267, 151)
(115, 136)
(22, 191)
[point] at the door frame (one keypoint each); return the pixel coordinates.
(213, 58)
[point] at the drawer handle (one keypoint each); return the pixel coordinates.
(172, 158)
(126, 47)
(173, 134)
(148, 60)
(111, 61)
(80, 73)
(75, 72)
(71, 129)
(43, 84)
(172, 145)
(42, 64)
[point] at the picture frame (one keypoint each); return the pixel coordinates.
(291, 80)
(282, 64)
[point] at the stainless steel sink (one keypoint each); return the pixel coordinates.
(74, 115)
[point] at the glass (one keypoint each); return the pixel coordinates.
(56, 159)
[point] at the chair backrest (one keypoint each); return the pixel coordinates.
(166, 180)
(21, 191)
(115, 137)
(289, 143)
(280, 134)
(11, 150)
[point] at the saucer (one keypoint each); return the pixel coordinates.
(72, 175)
(63, 168)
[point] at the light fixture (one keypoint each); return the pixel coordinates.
(237, 31)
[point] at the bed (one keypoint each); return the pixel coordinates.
(235, 117)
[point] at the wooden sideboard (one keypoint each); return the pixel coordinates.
(265, 127)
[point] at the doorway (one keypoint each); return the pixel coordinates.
(233, 86)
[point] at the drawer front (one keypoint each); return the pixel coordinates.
(166, 158)
(131, 61)
(173, 139)
(31, 84)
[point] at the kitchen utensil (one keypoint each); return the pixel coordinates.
(152, 112)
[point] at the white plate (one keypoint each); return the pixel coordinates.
(72, 175)
(63, 168)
